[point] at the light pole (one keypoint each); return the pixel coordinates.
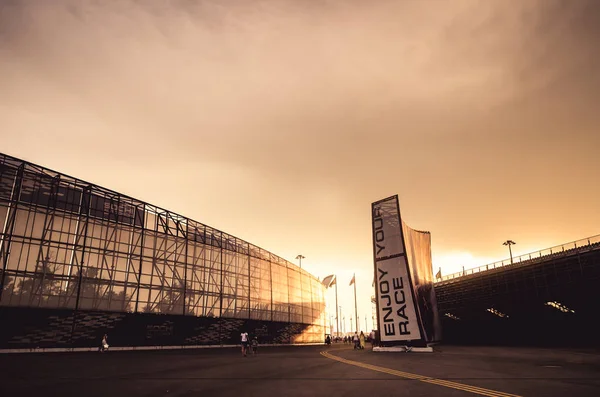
(338, 325)
(300, 257)
(509, 243)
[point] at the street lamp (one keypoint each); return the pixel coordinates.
(300, 257)
(509, 243)
(339, 331)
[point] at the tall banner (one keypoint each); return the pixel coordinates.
(418, 253)
(396, 312)
(406, 303)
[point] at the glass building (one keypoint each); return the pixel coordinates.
(70, 248)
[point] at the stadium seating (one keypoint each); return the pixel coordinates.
(521, 292)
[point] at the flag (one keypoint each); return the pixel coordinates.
(438, 275)
(353, 279)
(333, 282)
(328, 281)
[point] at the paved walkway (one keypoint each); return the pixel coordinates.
(304, 371)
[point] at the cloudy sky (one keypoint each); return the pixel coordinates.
(281, 121)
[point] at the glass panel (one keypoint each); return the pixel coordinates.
(3, 213)
(7, 180)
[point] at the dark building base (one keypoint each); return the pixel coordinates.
(49, 328)
(502, 332)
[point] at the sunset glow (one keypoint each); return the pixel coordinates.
(280, 122)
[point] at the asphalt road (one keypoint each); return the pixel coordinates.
(304, 371)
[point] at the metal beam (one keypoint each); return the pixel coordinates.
(9, 225)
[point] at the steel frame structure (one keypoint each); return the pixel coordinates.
(69, 244)
(566, 249)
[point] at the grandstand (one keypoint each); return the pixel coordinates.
(544, 298)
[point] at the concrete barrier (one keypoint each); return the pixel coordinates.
(404, 349)
(130, 348)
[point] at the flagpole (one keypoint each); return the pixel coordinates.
(337, 320)
(355, 307)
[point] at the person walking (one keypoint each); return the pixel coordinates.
(103, 344)
(361, 340)
(254, 345)
(355, 341)
(244, 337)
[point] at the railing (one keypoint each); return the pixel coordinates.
(532, 257)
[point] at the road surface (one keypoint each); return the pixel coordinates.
(304, 371)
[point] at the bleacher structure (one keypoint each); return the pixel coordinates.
(544, 298)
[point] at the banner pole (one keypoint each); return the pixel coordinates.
(355, 307)
(337, 320)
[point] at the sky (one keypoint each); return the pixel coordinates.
(280, 122)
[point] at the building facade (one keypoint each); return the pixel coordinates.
(79, 260)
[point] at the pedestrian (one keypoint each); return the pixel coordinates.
(103, 343)
(254, 345)
(244, 336)
(355, 340)
(361, 340)
(372, 338)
